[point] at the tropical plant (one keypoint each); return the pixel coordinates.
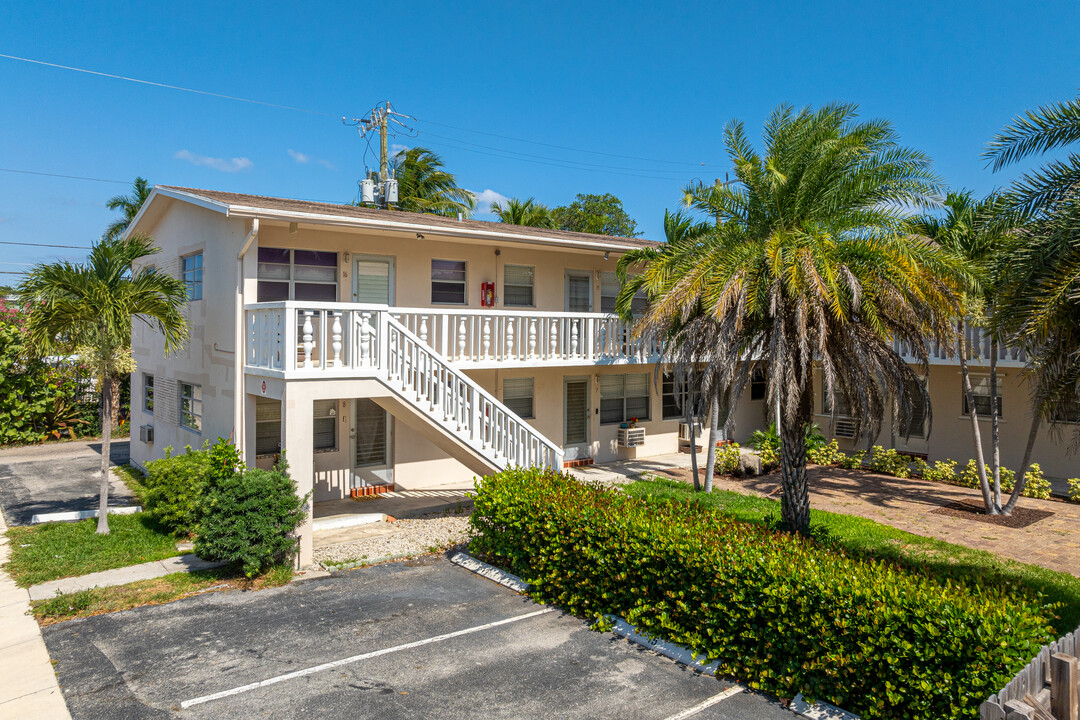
(975, 232)
(599, 214)
(88, 309)
(424, 186)
(811, 263)
(1039, 301)
(128, 205)
(526, 212)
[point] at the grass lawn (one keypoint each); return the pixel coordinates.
(153, 592)
(869, 539)
(40, 553)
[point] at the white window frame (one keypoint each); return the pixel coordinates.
(464, 283)
(517, 388)
(193, 286)
(292, 273)
(267, 421)
(679, 398)
(329, 416)
(531, 286)
(148, 393)
(844, 410)
(608, 301)
(759, 380)
(195, 409)
(980, 387)
(625, 415)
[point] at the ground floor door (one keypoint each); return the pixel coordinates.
(372, 444)
(911, 435)
(576, 418)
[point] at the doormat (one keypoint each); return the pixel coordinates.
(1021, 517)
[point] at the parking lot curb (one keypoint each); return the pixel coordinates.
(490, 572)
(674, 651)
(819, 710)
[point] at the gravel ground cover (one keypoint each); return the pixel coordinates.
(410, 537)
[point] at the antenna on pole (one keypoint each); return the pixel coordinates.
(380, 188)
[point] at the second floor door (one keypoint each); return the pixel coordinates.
(578, 291)
(373, 280)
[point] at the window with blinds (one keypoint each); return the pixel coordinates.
(623, 397)
(578, 292)
(518, 283)
(518, 396)
(286, 274)
(448, 282)
(324, 425)
(373, 281)
(915, 425)
(267, 426)
(980, 387)
(371, 435)
(609, 292)
(673, 400)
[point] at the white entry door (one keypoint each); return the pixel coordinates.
(372, 444)
(578, 291)
(373, 280)
(576, 418)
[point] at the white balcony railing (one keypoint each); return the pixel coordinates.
(322, 335)
(978, 351)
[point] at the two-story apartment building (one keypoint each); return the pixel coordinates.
(386, 348)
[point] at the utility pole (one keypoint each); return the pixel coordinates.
(383, 189)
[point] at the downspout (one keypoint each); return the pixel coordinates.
(240, 394)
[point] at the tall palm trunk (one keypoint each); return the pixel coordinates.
(995, 439)
(1021, 479)
(973, 414)
(110, 391)
(795, 503)
(710, 456)
(689, 409)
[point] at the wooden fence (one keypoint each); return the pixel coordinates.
(1047, 689)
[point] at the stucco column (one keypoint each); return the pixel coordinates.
(297, 440)
(248, 431)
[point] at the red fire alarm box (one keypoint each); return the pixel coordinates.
(487, 294)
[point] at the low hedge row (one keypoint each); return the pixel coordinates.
(776, 610)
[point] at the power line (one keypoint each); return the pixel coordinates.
(30, 244)
(169, 87)
(69, 177)
(14, 272)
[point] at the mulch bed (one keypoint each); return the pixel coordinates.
(1021, 517)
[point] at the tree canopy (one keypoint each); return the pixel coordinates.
(527, 212)
(599, 214)
(128, 205)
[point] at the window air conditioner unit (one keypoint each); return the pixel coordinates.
(631, 437)
(146, 433)
(844, 429)
(684, 432)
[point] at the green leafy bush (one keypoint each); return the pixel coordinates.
(1074, 490)
(853, 461)
(943, 471)
(175, 485)
(249, 519)
(1037, 486)
(827, 454)
(889, 462)
(728, 460)
(774, 609)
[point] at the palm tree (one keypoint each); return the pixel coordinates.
(528, 213)
(811, 264)
(1039, 303)
(88, 308)
(425, 187)
(974, 232)
(128, 205)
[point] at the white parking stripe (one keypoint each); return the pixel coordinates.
(357, 658)
(690, 712)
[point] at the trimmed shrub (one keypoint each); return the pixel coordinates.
(1036, 485)
(776, 610)
(889, 462)
(854, 461)
(249, 519)
(174, 489)
(728, 460)
(828, 454)
(1074, 490)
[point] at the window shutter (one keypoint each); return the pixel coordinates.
(370, 433)
(577, 293)
(267, 426)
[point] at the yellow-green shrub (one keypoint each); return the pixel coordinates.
(1074, 490)
(728, 460)
(774, 609)
(828, 454)
(889, 462)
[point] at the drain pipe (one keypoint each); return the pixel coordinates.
(240, 355)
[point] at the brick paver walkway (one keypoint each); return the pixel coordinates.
(1053, 542)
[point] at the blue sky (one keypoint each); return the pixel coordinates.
(650, 85)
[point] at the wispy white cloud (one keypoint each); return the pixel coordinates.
(396, 148)
(235, 164)
(486, 198)
(305, 159)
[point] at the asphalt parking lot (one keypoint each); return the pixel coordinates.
(57, 477)
(417, 639)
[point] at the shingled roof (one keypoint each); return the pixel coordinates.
(435, 222)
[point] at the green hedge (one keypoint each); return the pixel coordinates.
(778, 611)
(175, 486)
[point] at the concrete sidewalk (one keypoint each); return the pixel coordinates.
(28, 687)
(621, 472)
(122, 576)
